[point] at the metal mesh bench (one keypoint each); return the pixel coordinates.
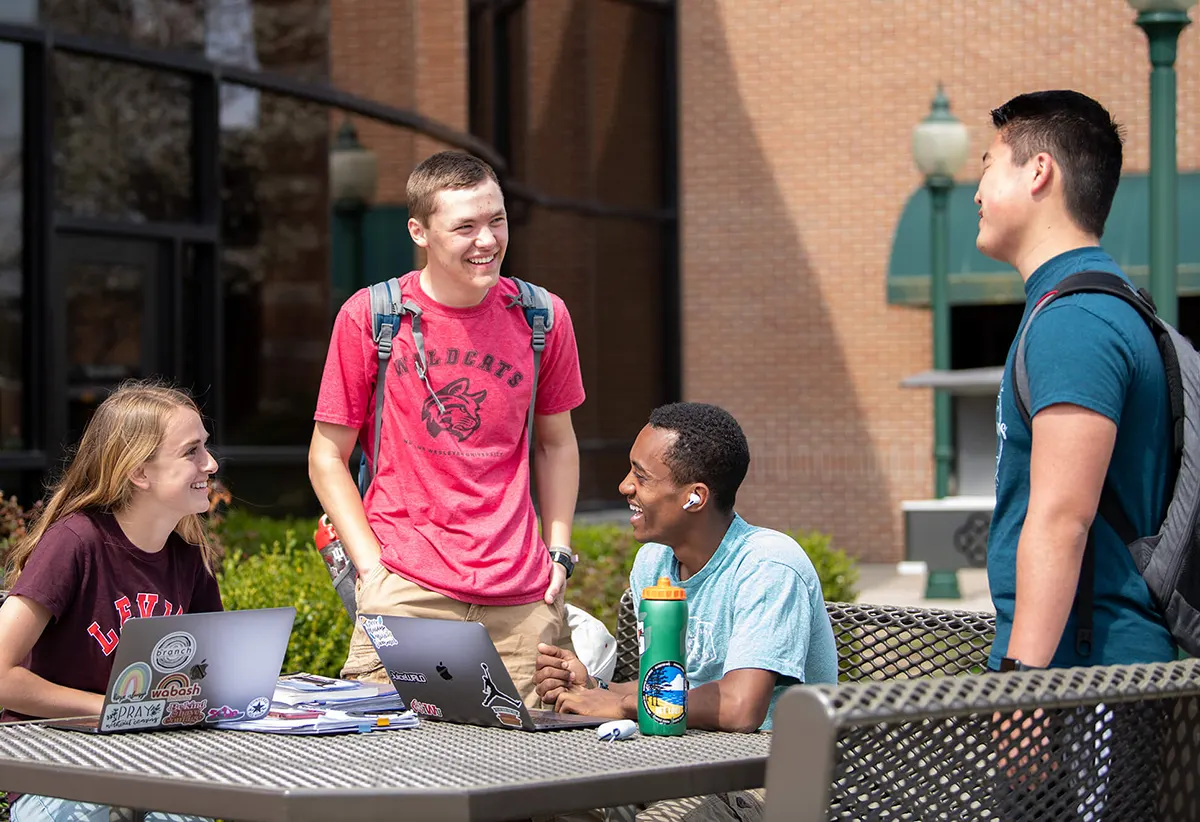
(1104, 743)
(874, 642)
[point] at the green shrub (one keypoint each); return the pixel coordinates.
(606, 554)
(837, 571)
(290, 572)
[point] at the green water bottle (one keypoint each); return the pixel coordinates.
(662, 636)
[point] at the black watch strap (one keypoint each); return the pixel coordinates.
(564, 558)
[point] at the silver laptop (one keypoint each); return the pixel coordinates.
(451, 671)
(190, 670)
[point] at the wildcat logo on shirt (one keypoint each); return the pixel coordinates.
(460, 419)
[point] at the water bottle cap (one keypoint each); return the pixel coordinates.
(664, 590)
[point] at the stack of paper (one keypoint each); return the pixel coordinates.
(284, 719)
(314, 689)
(311, 704)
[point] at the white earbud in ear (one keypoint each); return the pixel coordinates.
(693, 499)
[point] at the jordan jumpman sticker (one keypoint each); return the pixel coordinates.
(492, 694)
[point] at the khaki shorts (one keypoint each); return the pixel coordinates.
(516, 630)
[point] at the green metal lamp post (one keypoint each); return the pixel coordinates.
(940, 144)
(353, 177)
(1163, 20)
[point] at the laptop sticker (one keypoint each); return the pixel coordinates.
(258, 707)
(424, 708)
(133, 683)
(664, 692)
(173, 652)
(223, 713)
(189, 712)
(380, 634)
(125, 716)
(406, 676)
(507, 711)
(175, 686)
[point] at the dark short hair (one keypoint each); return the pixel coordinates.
(1083, 139)
(709, 447)
(442, 171)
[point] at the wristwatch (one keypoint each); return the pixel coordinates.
(564, 557)
(1010, 664)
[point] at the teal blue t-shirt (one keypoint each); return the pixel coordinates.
(756, 604)
(1094, 351)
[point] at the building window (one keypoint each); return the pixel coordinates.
(122, 139)
(12, 318)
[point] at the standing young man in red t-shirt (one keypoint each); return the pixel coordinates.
(447, 529)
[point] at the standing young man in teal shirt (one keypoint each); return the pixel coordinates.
(1097, 397)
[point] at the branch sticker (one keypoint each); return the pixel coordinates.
(173, 652)
(378, 632)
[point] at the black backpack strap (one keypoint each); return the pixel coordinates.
(1110, 508)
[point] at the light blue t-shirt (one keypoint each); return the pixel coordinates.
(1094, 351)
(756, 604)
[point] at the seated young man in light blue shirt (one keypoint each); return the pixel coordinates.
(756, 616)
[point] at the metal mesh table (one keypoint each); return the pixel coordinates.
(436, 771)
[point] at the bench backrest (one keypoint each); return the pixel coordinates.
(1111, 743)
(874, 642)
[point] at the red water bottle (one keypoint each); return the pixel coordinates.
(341, 570)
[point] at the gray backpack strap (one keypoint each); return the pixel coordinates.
(385, 323)
(539, 313)
(387, 310)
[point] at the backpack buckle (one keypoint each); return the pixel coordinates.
(538, 325)
(1083, 641)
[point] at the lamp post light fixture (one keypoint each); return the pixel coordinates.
(353, 178)
(1163, 20)
(940, 144)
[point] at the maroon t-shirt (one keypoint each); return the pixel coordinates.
(91, 578)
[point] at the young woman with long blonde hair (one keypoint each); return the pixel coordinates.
(120, 537)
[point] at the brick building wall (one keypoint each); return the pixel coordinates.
(795, 164)
(795, 149)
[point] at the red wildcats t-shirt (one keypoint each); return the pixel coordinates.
(450, 501)
(91, 579)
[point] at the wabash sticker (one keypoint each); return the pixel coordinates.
(424, 708)
(190, 712)
(175, 686)
(505, 707)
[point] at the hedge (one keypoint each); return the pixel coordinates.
(287, 570)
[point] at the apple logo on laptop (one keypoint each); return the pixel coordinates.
(443, 672)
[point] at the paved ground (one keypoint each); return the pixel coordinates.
(904, 584)
(879, 584)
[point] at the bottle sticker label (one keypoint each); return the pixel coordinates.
(641, 637)
(664, 693)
